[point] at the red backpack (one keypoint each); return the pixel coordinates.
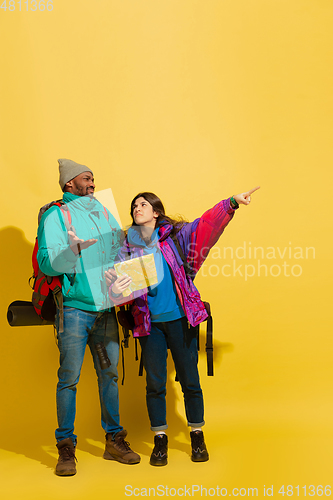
(47, 295)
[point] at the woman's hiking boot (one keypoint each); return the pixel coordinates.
(199, 450)
(159, 454)
(119, 449)
(66, 463)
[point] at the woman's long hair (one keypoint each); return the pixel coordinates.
(158, 207)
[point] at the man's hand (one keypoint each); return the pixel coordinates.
(77, 244)
(245, 198)
(110, 276)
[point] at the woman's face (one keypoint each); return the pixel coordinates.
(143, 213)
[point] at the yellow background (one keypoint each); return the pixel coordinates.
(194, 100)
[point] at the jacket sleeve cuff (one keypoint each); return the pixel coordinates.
(227, 206)
(69, 255)
(64, 262)
(119, 299)
(113, 295)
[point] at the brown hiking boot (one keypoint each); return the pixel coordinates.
(66, 462)
(119, 449)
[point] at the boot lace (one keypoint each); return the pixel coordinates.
(67, 454)
(124, 445)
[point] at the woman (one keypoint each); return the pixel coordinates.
(162, 312)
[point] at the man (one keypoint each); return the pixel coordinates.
(81, 254)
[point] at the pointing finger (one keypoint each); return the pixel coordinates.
(253, 190)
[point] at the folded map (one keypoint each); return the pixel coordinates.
(142, 270)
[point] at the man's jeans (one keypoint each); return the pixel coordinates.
(183, 346)
(72, 344)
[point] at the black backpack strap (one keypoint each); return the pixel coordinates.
(59, 302)
(125, 341)
(209, 341)
(123, 361)
(124, 344)
(136, 349)
(209, 347)
(141, 366)
(137, 357)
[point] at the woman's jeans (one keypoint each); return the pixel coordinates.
(183, 346)
(72, 344)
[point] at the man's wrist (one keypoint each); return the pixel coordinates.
(69, 255)
(76, 249)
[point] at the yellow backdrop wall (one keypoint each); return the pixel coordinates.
(194, 100)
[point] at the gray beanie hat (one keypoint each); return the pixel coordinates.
(69, 169)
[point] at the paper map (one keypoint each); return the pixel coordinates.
(142, 270)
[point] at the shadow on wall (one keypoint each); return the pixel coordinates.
(28, 372)
(26, 369)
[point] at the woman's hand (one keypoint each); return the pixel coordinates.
(120, 285)
(110, 276)
(245, 198)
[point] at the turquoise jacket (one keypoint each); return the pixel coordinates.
(83, 282)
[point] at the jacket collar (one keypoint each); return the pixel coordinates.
(135, 239)
(82, 202)
(164, 230)
(134, 235)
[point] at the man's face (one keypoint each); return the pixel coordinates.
(82, 184)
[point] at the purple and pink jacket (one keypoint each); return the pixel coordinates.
(196, 239)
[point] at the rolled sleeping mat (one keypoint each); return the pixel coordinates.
(22, 313)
